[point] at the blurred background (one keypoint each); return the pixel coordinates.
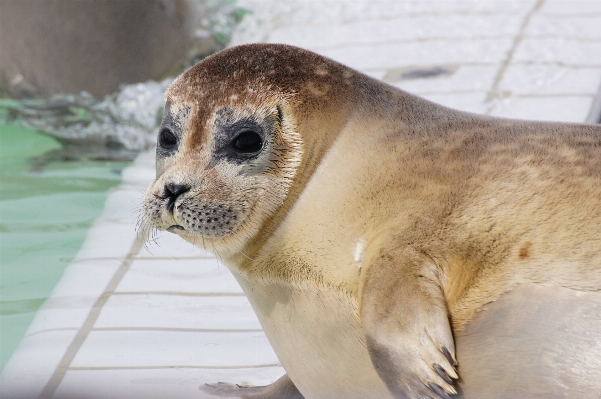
(82, 82)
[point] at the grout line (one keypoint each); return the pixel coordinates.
(176, 329)
(357, 43)
(571, 16)
(565, 38)
(557, 63)
(200, 257)
(398, 85)
(492, 64)
(470, 63)
(175, 293)
(144, 257)
(255, 366)
(553, 95)
(494, 91)
(411, 15)
(52, 330)
(523, 95)
(80, 337)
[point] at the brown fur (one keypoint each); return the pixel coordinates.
(405, 213)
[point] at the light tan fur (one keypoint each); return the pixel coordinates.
(379, 223)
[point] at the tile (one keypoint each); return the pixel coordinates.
(62, 312)
(179, 276)
(469, 102)
(549, 79)
(170, 311)
(562, 109)
(579, 27)
(168, 348)
(106, 239)
(123, 206)
(171, 245)
(86, 278)
(338, 12)
(571, 7)
(75, 294)
(145, 160)
(568, 52)
(156, 383)
(463, 78)
(391, 7)
(268, 16)
(412, 28)
(138, 176)
(33, 363)
(434, 52)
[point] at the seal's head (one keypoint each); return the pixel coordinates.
(238, 128)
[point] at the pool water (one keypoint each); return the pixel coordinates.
(45, 211)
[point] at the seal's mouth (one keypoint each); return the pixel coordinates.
(175, 228)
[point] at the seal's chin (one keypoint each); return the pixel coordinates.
(176, 228)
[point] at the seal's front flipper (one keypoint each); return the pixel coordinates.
(283, 388)
(405, 318)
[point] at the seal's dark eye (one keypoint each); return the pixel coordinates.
(247, 142)
(167, 139)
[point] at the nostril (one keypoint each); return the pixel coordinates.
(172, 191)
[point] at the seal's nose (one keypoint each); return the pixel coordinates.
(172, 191)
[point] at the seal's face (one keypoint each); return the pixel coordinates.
(218, 182)
(230, 147)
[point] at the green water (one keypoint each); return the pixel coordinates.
(44, 215)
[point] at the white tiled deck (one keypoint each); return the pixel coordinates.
(127, 321)
(130, 322)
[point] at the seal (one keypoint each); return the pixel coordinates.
(384, 240)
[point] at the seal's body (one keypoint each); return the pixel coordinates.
(367, 226)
